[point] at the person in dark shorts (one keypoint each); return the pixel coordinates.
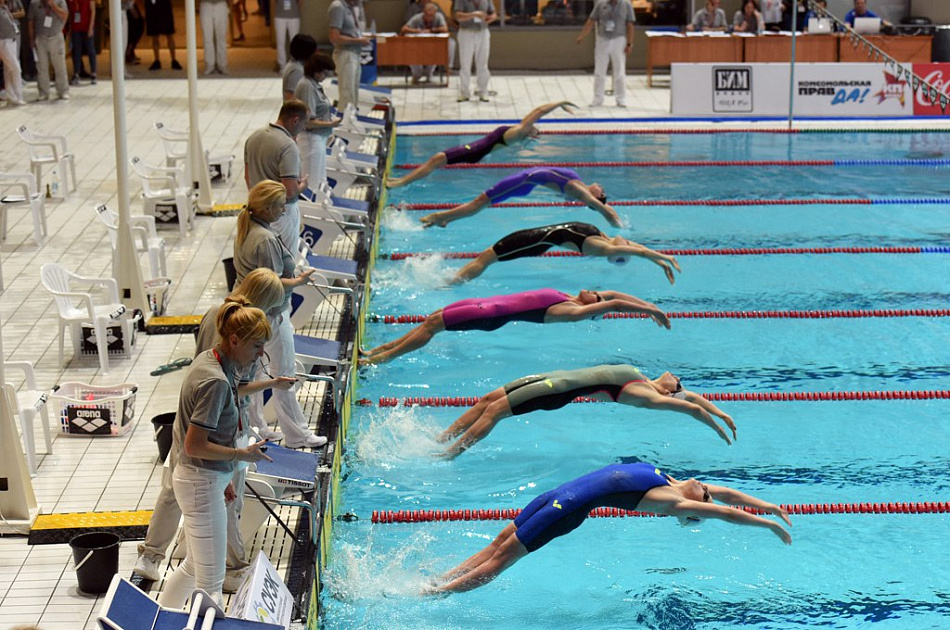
(541, 306)
(574, 236)
(563, 180)
(472, 153)
(638, 486)
(160, 20)
(622, 384)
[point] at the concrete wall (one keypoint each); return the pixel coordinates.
(937, 10)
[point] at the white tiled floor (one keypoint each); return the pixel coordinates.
(37, 584)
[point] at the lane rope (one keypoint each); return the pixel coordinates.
(832, 314)
(660, 131)
(695, 164)
(852, 201)
(725, 251)
(507, 514)
(833, 396)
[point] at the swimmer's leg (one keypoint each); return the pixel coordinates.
(413, 340)
(476, 267)
(436, 161)
(496, 411)
(474, 412)
(463, 211)
(509, 551)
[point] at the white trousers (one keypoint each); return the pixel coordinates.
(164, 521)
(287, 227)
(474, 46)
(347, 76)
(419, 71)
(12, 79)
(610, 50)
(51, 50)
(290, 416)
(285, 29)
(313, 157)
(200, 494)
(214, 33)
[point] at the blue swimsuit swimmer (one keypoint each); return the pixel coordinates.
(563, 509)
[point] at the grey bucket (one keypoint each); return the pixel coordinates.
(96, 555)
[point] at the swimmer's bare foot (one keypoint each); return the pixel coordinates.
(675, 264)
(432, 219)
(669, 273)
(394, 183)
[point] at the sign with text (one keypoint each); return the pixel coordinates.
(860, 90)
(262, 596)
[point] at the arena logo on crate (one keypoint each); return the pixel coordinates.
(732, 89)
(937, 75)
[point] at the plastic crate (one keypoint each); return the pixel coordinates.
(95, 410)
(115, 332)
(156, 290)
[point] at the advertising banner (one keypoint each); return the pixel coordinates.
(859, 90)
(262, 596)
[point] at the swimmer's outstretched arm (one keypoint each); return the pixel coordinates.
(463, 211)
(731, 496)
(577, 190)
(696, 399)
(698, 509)
(644, 396)
(613, 302)
(543, 110)
(631, 248)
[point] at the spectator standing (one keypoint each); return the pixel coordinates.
(159, 20)
(47, 18)
(709, 18)
(312, 141)
(10, 13)
(287, 25)
(82, 25)
(214, 33)
(272, 153)
(347, 40)
(428, 21)
(614, 40)
(135, 16)
(772, 14)
(473, 17)
(302, 48)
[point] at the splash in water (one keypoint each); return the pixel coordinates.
(416, 272)
(359, 573)
(396, 219)
(398, 436)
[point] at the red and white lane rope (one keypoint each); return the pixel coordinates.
(834, 396)
(428, 516)
(723, 251)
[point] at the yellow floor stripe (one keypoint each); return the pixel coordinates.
(83, 520)
(176, 320)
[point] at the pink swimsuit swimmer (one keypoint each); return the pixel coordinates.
(494, 312)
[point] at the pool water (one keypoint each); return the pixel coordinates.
(841, 570)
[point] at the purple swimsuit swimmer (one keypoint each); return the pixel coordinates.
(522, 183)
(494, 312)
(473, 153)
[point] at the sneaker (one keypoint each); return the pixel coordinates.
(483, 98)
(209, 71)
(74, 80)
(223, 72)
(63, 97)
(234, 578)
(176, 65)
(311, 441)
(271, 436)
(156, 65)
(42, 97)
(148, 568)
(462, 99)
(596, 103)
(93, 81)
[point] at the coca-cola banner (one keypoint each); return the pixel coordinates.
(938, 76)
(833, 90)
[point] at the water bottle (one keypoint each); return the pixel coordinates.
(372, 27)
(54, 182)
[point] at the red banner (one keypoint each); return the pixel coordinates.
(937, 75)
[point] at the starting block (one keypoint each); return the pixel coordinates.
(290, 468)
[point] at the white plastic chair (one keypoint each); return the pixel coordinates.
(143, 233)
(25, 184)
(49, 150)
(175, 142)
(27, 404)
(59, 281)
(162, 186)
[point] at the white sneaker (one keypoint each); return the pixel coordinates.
(311, 441)
(148, 568)
(234, 578)
(596, 103)
(271, 436)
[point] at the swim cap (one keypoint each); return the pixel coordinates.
(617, 260)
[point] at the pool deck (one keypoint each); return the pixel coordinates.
(37, 583)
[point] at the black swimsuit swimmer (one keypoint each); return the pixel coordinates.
(536, 241)
(556, 389)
